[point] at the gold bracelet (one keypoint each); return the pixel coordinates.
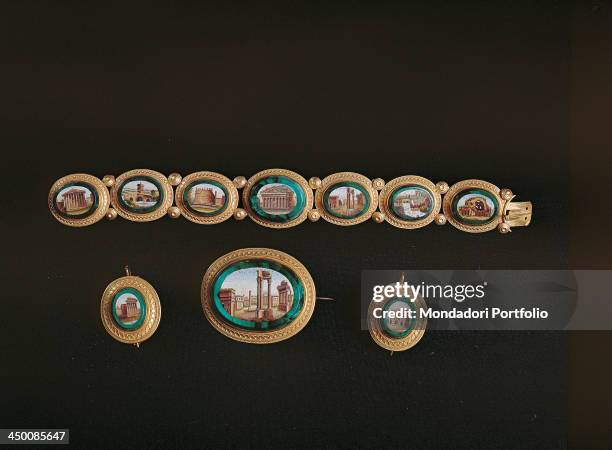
(280, 198)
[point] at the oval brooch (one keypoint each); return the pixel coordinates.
(130, 309)
(346, 198)
(78, 200)
(396, 324)
(277, 198)
(258, 295)
(141, 195)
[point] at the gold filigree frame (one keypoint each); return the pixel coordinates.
(159, 212)
(473, 184)
(396, 344)
(94, 182)
(153, 313)
(251, 336)
(346, 177)
(231, 200)
(409, 180)
(296, 177)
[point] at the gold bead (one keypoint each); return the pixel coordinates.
(378, 217)
(240, 214)
(440, 219)
(442, 187)
(314, 215)
(314, 183)
(378, 183)
(240, 182)
(175, 179)
(111, 214)
(174, 212)
(108, 180)
(506, 194)
(504, 228)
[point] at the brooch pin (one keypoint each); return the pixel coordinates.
(258, 295)
(130, 309)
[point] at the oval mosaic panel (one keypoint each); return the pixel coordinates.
(411, 203)
(129, 309)
(258, 295)
(474, 207)
(140, 194)
(346, 200)
(76, 200)
(398, 327)
(277, 199)
(205, 197)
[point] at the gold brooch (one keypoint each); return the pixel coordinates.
(396, 324)
(130, 309)
(258, 295)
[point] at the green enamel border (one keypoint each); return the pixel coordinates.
(300, 197)
(483, 192)
(206, 181)
(385, 327)
(357, 186)
(91, 210)
(400, 189)
(143, 305)
(296, 284)
(152, 180)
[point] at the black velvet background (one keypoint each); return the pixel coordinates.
(444, 91)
